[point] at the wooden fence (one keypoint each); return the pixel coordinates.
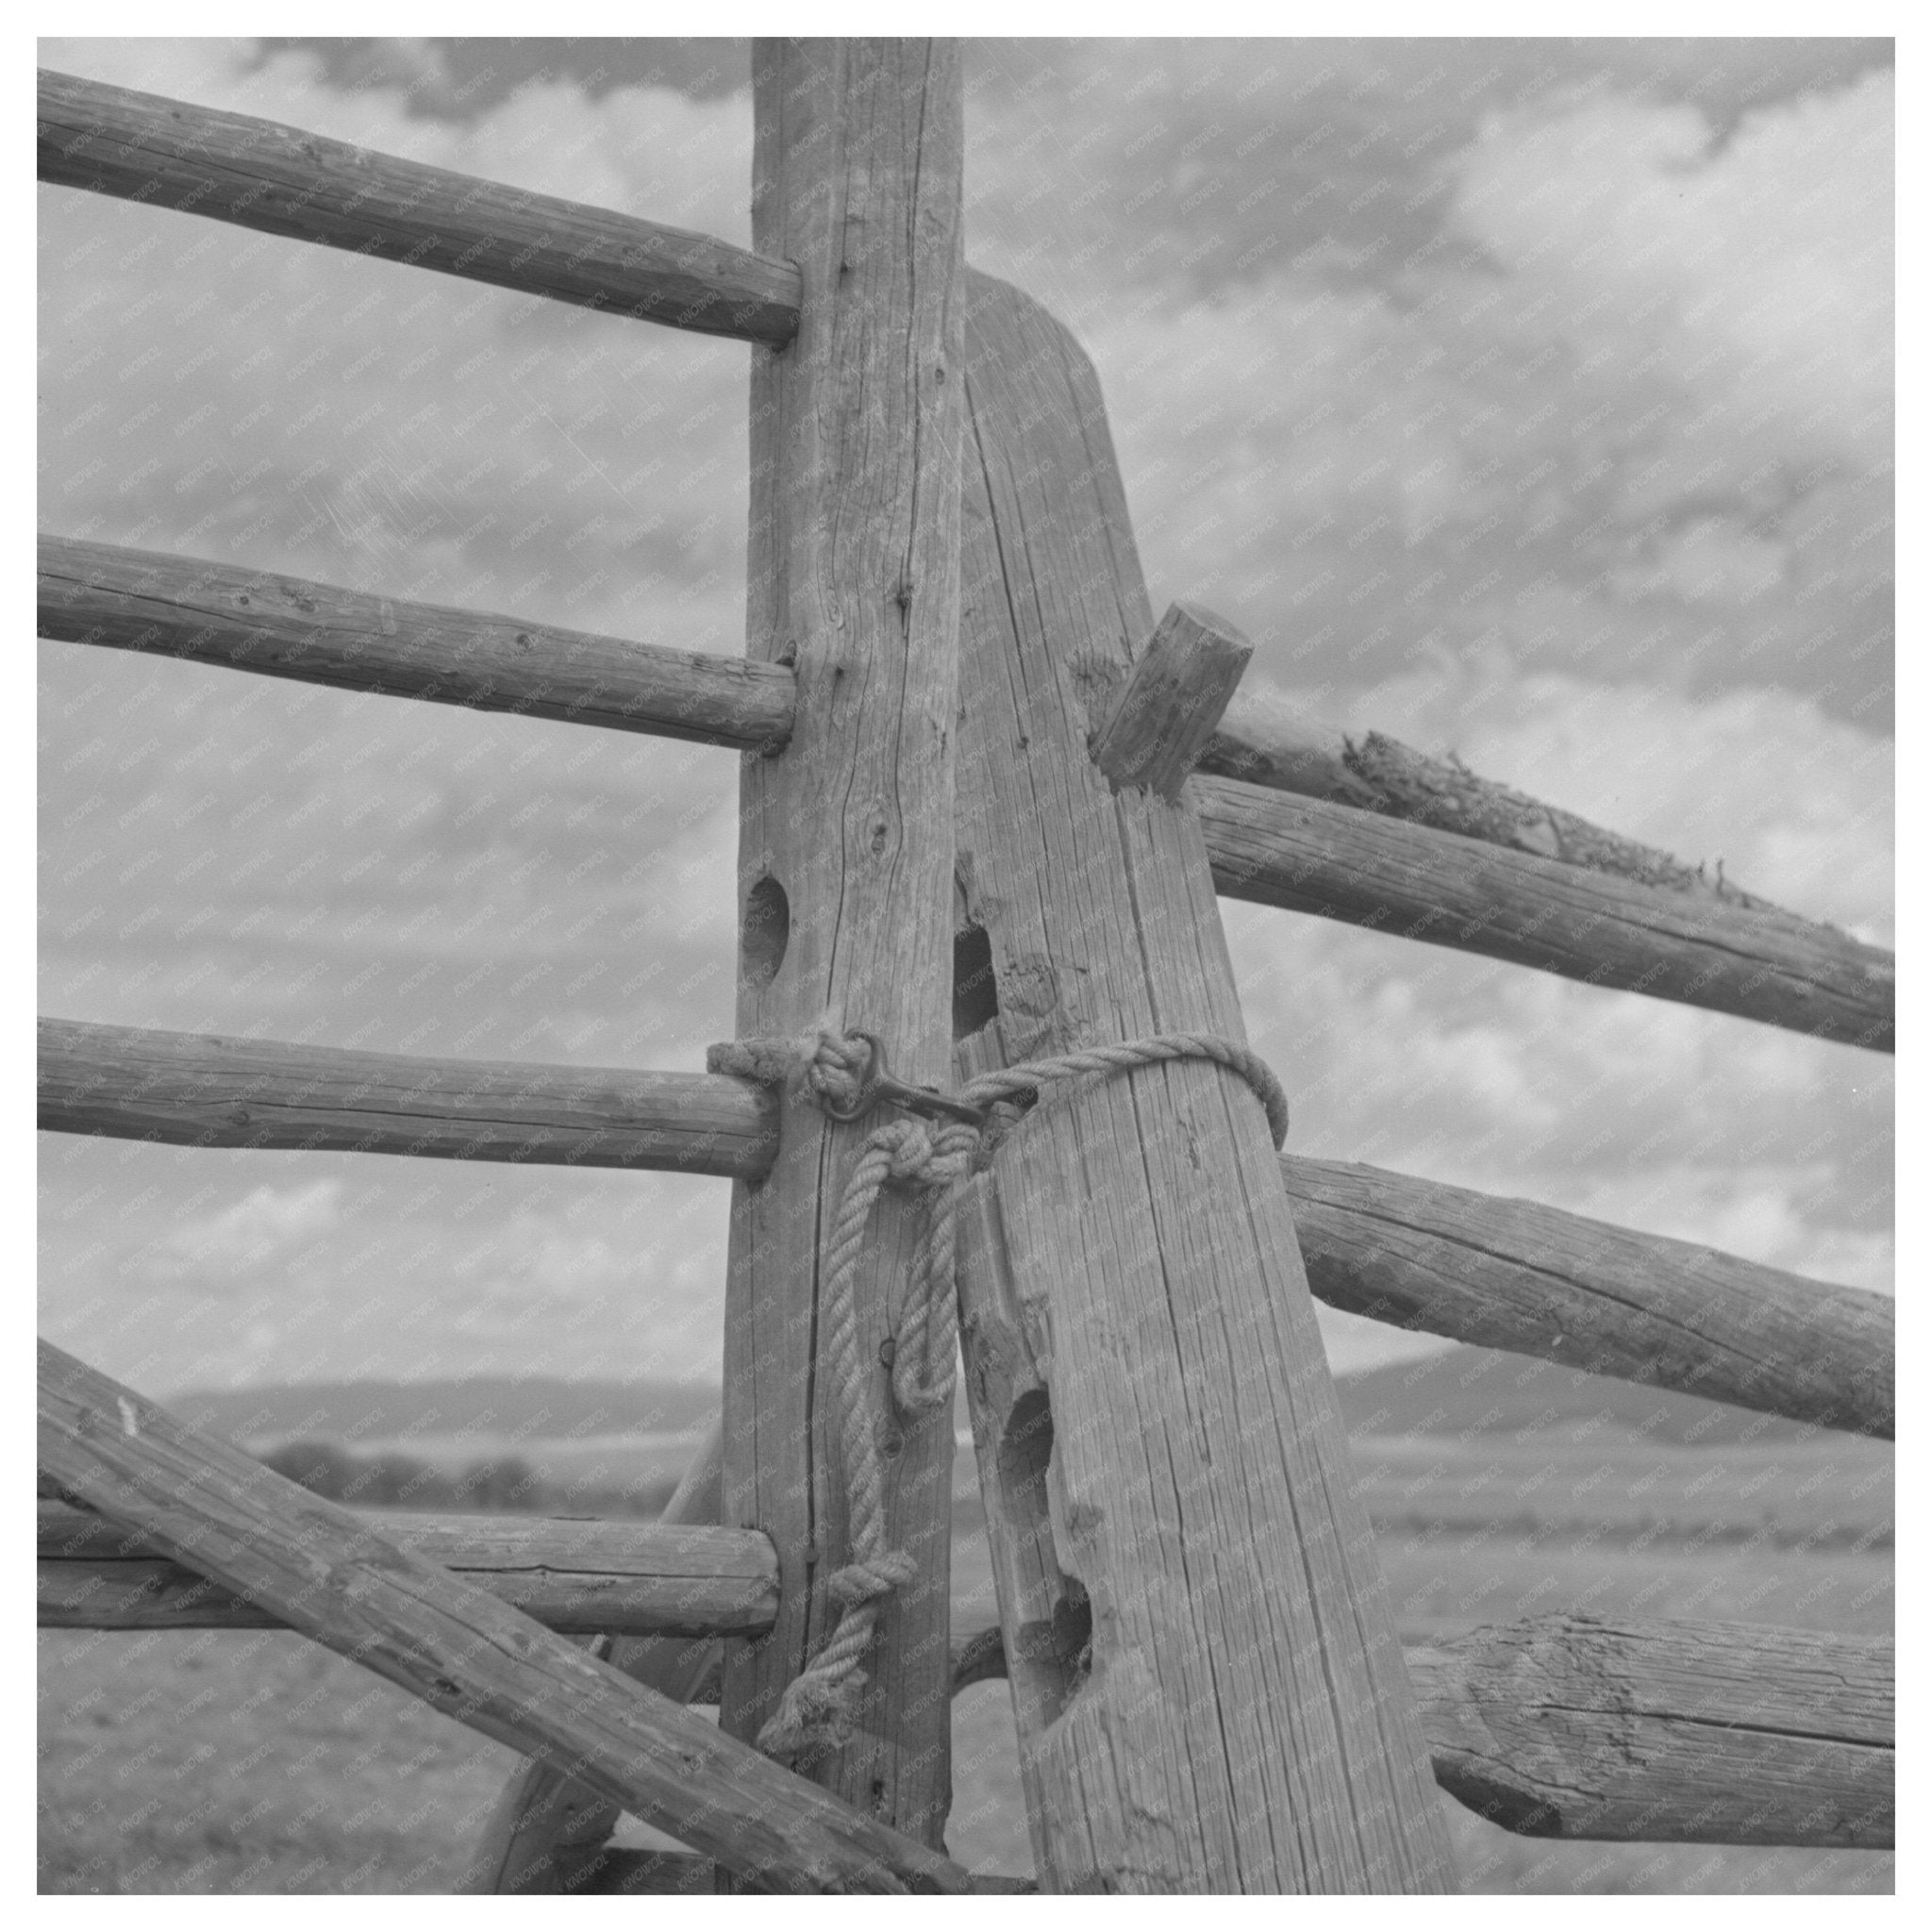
(1038, 882)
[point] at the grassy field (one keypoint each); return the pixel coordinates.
(201, 1762)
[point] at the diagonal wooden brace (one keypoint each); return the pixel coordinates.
(547, 1830)
(327, 1573)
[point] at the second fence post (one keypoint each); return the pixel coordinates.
(1203, 1661)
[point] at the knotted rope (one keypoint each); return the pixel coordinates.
(820, 1706)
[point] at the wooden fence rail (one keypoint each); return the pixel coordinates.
(202, 1091)
(282, 627)
(1308, 855)
(1571, 1726)
(587, 1576)
(1504, 1273)
(1671, 1733)
(285, 181)
(1514, 1274)
(1704, 1733)
(1646, 927)
(325, 1571)
(1564, 1726)
(1267, 740)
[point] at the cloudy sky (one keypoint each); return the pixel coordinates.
(1528, 400)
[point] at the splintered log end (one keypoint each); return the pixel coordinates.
(1171, 701)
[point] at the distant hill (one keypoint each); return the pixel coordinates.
(1485, 1391)
(1461, 1391)
(489, 1406)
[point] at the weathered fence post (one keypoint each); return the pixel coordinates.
(1205, 1671)
(846, 840)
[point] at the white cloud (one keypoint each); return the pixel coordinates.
(243, 1239)
(1753, 279)
(1632, 418)
(1764, 1214)
(1760, 272)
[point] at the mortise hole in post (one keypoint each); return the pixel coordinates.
(767, 931)
(976, 992)
(1026, 1448)
(1072, 1635)
(1060, 1648)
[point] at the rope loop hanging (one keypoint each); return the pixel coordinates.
(846, 1074)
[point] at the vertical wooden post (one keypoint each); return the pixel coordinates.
(846, 839)
(1204, 1667)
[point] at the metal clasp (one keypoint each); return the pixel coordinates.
(877, 1087)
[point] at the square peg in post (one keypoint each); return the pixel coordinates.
(1170, 702)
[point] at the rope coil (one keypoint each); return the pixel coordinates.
(821, 1705)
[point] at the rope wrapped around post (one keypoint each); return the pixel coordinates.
(843, 1072)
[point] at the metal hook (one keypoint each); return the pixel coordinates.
(877, 1086)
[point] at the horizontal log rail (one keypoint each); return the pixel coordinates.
(285, 181)
(1713, 950)
(325, 1571)
(1517, 1276)
(1308, 855)
(582, 1576)
(1588, 1727)
(1673, 935)
(1503, 1274)
(1565, 1726)
(282, 180)
(283, 626)
(1266, 740)
(203, 1091)
(1667, 1733)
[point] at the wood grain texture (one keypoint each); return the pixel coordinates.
(284, 181)
(546, 1833)
(1513, 1275)
(1171, 700)
(1268, 740)
(1207, 1681)
(325, 1571)
(632, 1873)
(570, 1576)
(1308, 855)
(846, 842)
(1573, 1727)
(198, 1089)
(1576, 1727)
(281, 627)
